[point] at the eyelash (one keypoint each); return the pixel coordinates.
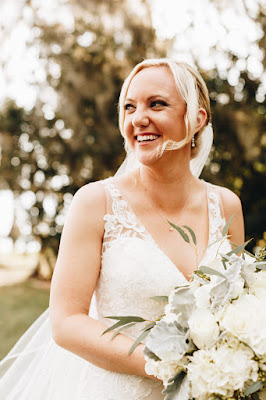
(127, 107)
(158, 102)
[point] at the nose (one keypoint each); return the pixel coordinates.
(140, 118)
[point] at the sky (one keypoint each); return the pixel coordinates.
(222, 24)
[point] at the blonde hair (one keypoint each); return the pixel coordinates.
(192, 89)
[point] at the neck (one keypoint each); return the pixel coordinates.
(168, 184)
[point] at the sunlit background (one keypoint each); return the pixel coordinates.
(62, 64)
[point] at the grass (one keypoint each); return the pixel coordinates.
(20, 305)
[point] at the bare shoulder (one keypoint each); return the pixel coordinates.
(231, 202)
(90, 194)
(88, 208)
(232, 206)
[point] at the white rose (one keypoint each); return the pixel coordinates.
(221, 370)
(203, 328)
(245, 318)
(258, 285)
(163, 370)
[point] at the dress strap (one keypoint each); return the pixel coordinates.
(120, 222)
(112, 195)
(216, 213)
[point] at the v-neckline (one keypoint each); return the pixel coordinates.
(151, 238)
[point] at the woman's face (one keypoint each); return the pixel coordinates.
(154, 112)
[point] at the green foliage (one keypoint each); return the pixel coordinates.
(239, 248)
(57, 154)
(238, 157)
(174, 385)
(254, 387)
(211, 271)
(123, 321)
(52, 155)
(141, 337)
(180, 231)
(227, 226)
(192, 233)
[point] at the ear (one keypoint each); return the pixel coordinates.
(201, 119)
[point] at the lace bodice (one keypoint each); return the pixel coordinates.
(133, 270)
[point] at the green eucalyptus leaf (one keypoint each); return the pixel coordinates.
(248, 253)
(227, 225)
(218, 240)
(122, 321)
(260, 265)
(149, 326)
(150, 354)
(116, 325)
(123, 329)
(239, 248)
(225, 257)
(244, 251)
(182, 286)
(211, 271)
(192, 233)
(180, 231)
(141, 337)
(254, 387)
(160, 298)
(128, 318)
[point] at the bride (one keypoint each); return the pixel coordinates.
(118, 245)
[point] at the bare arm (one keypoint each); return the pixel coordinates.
(232, 206)
(74, 280)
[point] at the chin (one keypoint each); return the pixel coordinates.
(148, 159)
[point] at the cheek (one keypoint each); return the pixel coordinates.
(127, 128)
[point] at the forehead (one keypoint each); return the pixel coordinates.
(153, 81)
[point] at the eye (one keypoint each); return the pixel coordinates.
(156, 103)
(128, 107)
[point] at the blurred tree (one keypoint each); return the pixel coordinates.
(238, 159)
(71, 136)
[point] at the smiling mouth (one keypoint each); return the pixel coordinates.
(146, 138)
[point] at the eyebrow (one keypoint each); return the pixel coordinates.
(155, 96)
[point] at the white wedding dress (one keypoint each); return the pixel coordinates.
(133, 270)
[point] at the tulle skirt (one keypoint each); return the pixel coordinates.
(38, 369)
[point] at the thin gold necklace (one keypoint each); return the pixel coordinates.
(165, 220)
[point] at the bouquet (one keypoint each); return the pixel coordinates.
(210, 343)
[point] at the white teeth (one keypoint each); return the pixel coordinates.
(145, 138)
